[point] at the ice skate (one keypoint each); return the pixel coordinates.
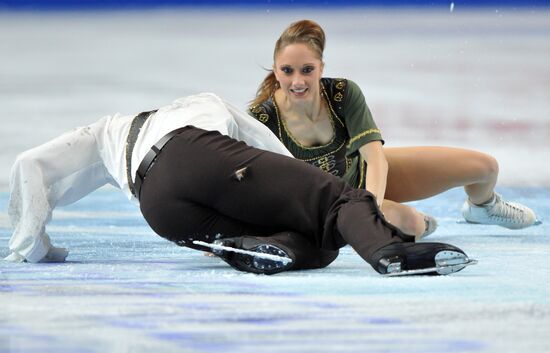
(251, 254)
(431, 225)
(499, 212)
(405, 259)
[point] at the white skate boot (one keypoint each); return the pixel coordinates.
(499, 212)
(431, 225)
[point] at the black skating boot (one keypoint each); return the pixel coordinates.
(282, 258)
(401, 259)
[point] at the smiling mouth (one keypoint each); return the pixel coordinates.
(298, 90)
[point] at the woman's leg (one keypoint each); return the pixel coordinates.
(420, 172)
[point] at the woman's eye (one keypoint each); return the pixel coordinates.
(308, 69)
(286, 70)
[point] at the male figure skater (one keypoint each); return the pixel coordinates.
(208, 176)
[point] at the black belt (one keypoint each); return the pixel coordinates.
(150, 158)
(133, 133)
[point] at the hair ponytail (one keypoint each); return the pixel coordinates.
(266, 89)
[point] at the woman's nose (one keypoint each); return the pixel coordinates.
(298, 80)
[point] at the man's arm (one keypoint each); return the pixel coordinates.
(56, 173)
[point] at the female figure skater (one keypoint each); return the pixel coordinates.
(200, 185)
(327, 123)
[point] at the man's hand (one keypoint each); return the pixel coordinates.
(55, 255)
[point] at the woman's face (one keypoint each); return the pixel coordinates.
(298, 70)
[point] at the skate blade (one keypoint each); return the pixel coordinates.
(463, 221)
(218, 249)
(538, 222)
(264, 259)
(447, 262)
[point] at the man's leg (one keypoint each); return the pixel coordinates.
(252, 186)
(184, 222)
(270, 190)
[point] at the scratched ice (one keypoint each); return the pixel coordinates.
(474, 79)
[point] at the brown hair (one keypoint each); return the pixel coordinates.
(304, 31)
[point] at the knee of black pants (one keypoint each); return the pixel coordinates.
(306, 254)
(183, 222)
(179, 221)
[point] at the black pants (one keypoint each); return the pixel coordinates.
(192, 192)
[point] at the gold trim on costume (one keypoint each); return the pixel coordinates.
(364, 133)
(278, 118)
(362, 173)
(349, 161)
(326, 154)
(263, 118)
(332, 112)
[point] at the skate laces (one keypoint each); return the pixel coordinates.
(505, 211)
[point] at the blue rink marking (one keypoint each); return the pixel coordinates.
(124, 289)
(44, 5)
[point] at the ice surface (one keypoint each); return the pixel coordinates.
(476, 79)
(124, 289)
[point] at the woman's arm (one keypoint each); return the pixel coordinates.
(366, 140)
(377, 169)
(56, 173)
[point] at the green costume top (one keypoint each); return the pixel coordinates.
(352, 124)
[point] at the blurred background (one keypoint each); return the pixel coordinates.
(474, 74)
